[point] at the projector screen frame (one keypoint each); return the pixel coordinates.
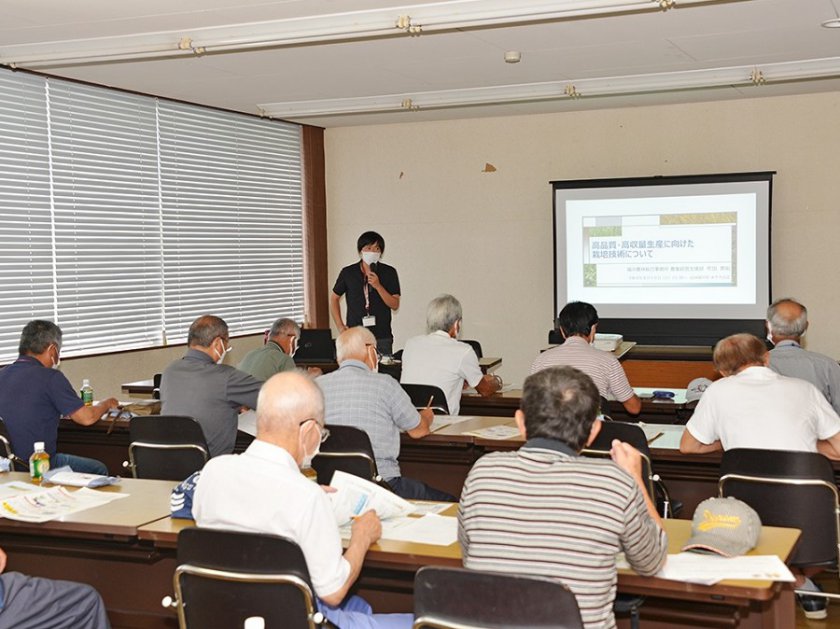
(671, 331)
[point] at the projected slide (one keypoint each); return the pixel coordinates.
(635, 250)
(658, 250)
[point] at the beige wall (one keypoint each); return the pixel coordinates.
(486, 237)
(108, 371)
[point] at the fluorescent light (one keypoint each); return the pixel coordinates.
(809, 69)
(409, 19)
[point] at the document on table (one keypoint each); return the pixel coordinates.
(66, 476)
(437, 530)
(353, 496)
(664, 436)
(496, 432)
(422, 508)
(708, 569)
(248, 422)
(442, 421)
(49, 504)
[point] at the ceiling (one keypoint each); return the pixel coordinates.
(750, 33)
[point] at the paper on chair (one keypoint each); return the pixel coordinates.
(353, 496)
(496, 432)
(708, 569)
(437, 530)
(442, 421)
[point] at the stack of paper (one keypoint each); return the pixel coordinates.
(442, 421)
(496, 432)
(353, 496)
(49, 504)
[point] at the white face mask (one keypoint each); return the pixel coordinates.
(57, 360)
(370, 257)
(293, 347)
(225, 350)
(374, 360)
(307, 458)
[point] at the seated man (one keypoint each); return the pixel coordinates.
(357, 396)
(578, 322)
(787, 321)
(27, 602)
(545, 511)
(263, 491)
(34, 396)
(200, 386)
(276, 355)
(754, 407)
(439, 359)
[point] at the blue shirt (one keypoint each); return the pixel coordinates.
(32, 400)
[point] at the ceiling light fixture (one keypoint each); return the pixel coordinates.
(832, 23)
(372, 23)
(810, 69)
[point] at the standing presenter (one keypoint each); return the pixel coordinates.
(372, 289)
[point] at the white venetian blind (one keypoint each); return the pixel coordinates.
(107, 218)
(26, 262)
(232, 219)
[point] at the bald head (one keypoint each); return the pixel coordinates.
(787, 319)
(287, 399)
(737, 352)
(353, 344)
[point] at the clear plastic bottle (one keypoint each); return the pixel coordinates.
(39, 462)
(86, 392)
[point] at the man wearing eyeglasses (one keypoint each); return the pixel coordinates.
(199, 385)
(263, 491)
(276, 355)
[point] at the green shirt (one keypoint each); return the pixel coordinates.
(265, 361)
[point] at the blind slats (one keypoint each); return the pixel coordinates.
(123, 218)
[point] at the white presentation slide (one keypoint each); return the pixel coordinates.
(665, 251)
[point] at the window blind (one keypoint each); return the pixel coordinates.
(123, 217)
(107, 218)
(232, 220)
(26, 252)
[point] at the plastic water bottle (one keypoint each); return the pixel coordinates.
(87, 392)
(39, 462)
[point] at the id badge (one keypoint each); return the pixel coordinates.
(369, 321)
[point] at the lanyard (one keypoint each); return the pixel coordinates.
(365, 288)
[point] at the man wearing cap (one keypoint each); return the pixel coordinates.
(545, 511)
(578, 322)
(754, 407)
(787, 322)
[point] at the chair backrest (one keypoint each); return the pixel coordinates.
(165, 447)
(791, 489)
(6, 447)
(629, 433)
(348, 449)
(420, 394)
(476, 347)
(464, 599)
(224, 577)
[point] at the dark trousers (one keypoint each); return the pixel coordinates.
(412, 489)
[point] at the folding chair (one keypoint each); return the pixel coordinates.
(165, 447)
(790, 489)
(420, 394)
(476, 347)
(456, 598)
(223, 578)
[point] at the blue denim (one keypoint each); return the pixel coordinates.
(80, 464)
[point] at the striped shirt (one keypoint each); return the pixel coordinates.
(604, 369)
(544, 511)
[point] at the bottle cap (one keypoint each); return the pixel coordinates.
(39, 445)
(85, 382)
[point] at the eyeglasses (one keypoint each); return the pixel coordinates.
(325, 432)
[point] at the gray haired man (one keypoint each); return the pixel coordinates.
(276, 355)
(787, 322)
(438, 358)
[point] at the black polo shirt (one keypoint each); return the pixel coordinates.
(351, 282)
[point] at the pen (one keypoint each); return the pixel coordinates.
(655, 437)
(429, 403)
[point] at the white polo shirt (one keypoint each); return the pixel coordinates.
(758, 408)
(263, 491)
(440, 360)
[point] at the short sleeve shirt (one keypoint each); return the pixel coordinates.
(351, 282)
(373, 402)
(791, 359)
(32, 400)
(438, 359)
(758, 408)
(265, 361)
